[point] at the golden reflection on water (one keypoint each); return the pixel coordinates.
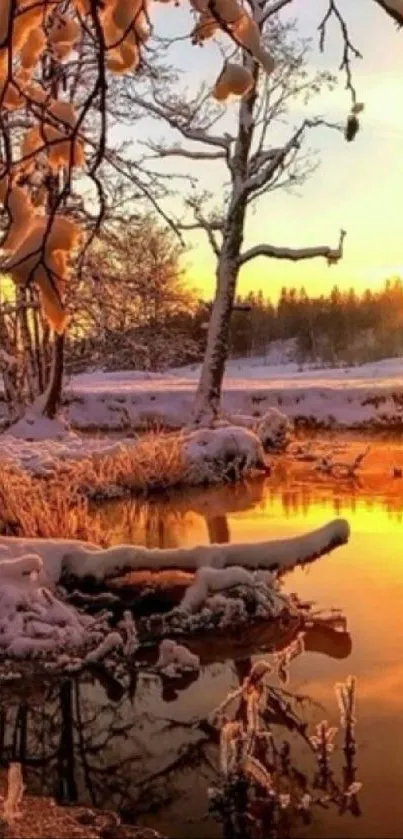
(364, 579)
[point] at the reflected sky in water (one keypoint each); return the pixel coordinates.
(364, 579)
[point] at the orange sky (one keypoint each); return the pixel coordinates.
(357, 186)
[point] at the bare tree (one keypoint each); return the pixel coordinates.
(253, 163)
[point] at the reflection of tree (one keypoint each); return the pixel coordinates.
(201, 514)
(218, 530)
(117, 744)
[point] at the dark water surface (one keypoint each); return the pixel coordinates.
(143, 749)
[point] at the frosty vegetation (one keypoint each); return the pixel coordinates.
(260, 790)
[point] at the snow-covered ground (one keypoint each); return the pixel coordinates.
(370, 395)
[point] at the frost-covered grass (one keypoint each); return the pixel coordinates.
(153, 463)
(103, 468)
(46, 509)
(260, 791)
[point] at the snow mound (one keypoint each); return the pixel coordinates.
(274, 430)
(34, 427)
(216, 453)
(175, 659)
(213, 580)
(33, 620)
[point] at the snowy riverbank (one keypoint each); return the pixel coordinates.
(370, 396)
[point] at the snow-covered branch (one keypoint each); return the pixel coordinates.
(274, 8)
(295, 254)
(197, 135)
(177, 151)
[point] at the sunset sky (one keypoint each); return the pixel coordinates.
(358, 186)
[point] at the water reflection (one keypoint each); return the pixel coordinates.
(144, 744)
(185, 519)
(364, 579)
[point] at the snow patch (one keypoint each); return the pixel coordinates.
(35, 427)
(175, 659)
(211, 452)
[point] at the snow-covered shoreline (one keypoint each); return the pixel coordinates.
(369, 396)
(366, 397)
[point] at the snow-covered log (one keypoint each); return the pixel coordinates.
(63, 559)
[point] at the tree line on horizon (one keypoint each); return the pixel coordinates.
(136, 310)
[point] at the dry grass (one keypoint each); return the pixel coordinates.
(59, 506)
(49, 509)
(153, 464)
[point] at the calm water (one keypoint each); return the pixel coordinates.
(142, 749)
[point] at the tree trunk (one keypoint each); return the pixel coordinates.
(53, 393)
(218, 529)
(208, 395)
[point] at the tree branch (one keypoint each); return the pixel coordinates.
(197, 135)
(394, 8)
(177, 151)
(209, 227)
(348, 49)
(276, 158)
(274, 9)
(295, 254)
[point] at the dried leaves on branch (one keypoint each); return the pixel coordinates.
(41, 44)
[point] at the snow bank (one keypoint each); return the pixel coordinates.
(367, 396)
(35, 427)
(209, 455)
(42, 455)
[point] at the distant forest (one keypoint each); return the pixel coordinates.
(341, 328)
(137, 311)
